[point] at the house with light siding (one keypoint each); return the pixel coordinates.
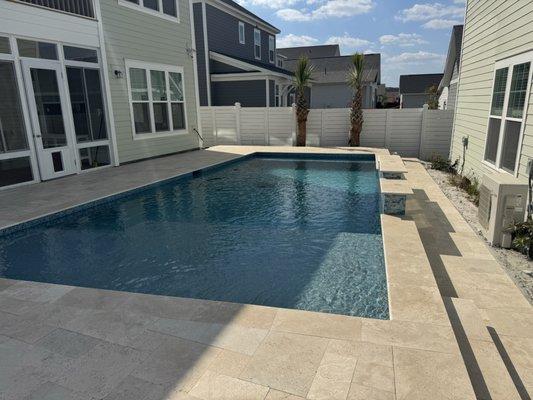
(493, 129)
(448, 84)
(90, 84)
(414, 89)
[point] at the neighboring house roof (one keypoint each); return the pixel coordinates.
(420, 83)
(327, 50)
(255, 63)
(392, 89)
(335, 69)
(454, 55)
(240, 8)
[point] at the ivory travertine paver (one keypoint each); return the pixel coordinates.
(89, 343)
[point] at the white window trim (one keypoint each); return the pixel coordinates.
(509, 62)
(160, 14)
(159, 67)
(272, 48)
(243, 41)
(256, 44)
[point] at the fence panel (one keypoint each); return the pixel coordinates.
(225, 125)
(281, 126)
(408, 132)
(405, 127)
(253, 125)
(437, 136)
(374, 128)
(336, 127)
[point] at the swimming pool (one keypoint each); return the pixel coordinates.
(298, 232)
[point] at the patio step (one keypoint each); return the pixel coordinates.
(489, 374)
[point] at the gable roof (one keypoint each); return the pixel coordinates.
(239, 8)
(335, 69)
(327, 50)
(454, 55)
(420, 83)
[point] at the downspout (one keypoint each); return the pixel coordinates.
(195, 74)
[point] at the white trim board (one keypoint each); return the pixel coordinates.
(244, 65)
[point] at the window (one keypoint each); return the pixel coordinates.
(280, 62)
(257, 44)
(4, 45)
(278, 97)
(510, 88)
(29, 48)
(242, 39)
(271, 49)
(157, 99)
(167, 9)
(80, 54)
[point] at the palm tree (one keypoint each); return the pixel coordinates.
(355, 79)
(302, 80)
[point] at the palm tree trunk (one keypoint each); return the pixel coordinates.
(356, 119)
(301, 135)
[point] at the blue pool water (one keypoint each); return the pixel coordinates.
(294, 233)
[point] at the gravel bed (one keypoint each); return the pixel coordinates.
(514, 263)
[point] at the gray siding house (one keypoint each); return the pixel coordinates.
(329, 88)
(90, 84)
(414, 89)
(494, 107)
(236, 57)
(448, 84)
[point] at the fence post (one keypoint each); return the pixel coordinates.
(388, 128)
(214, 119)
(321, 133)
(237, 109)
(423, 127)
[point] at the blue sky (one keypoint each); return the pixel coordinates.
(412, 36)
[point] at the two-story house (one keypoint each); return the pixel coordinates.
(236, 57)
(448, 84)
(88, 84)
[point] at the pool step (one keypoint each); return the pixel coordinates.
(489, 374)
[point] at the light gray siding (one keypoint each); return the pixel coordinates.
(414, 100)
(494, 30)
(452, 96)
(135, 35)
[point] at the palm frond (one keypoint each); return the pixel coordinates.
(303, 74)
(354, 77)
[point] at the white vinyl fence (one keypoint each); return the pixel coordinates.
(408, 132)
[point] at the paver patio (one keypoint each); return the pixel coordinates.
(459, 328)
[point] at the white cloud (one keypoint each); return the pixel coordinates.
(329, 9)
(275, 4)
(347, 42)
(292, 40)
(441, 23)
(459, 1)
(417, 58)
(429, 11)
(402, 39)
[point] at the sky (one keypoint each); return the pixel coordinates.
(412, 36)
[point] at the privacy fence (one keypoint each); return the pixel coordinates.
(408, 132)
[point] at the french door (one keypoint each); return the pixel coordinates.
(48, 103)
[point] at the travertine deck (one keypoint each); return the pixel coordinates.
(61, 342)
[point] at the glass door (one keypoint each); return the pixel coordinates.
(48, 103)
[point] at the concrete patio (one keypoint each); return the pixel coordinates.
(459, 328)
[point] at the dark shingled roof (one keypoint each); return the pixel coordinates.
(327, 50)
(237, 6)
(418, 83)
(335, 69)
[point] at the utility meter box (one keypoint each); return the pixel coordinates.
(502, 202)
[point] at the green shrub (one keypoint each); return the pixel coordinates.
(441, 164)
(469, 185)
(522, 234)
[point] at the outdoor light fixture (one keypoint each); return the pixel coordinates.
(118, 74)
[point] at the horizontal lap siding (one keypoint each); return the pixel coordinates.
(132, 34)
(494, 30)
